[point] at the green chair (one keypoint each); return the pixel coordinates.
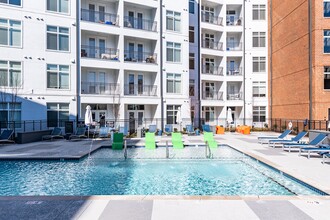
(177, 141)
(150, 141)
(208, 137)
(118, 141)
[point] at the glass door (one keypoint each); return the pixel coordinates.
(131, 84)
(130, 51)
(131, 116)
(91, 8)
(91, 82)
(140, 84)
(102, 82)
(231, 67)
(101, 13)
(209, 65)
(140, 52)
(130, 19)
(92, 47)
(209, 90)
(209, 41)
(139, 20)
(102, 48)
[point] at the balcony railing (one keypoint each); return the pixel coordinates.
(209, 69)
(234, 46)
(212, 95)
(210, 44)
(99, 52)
(140, 57)
(140, 90)
(206, 17)
(138, 23)
(234, 21)
(99, 17)
(100, 88)
(235, 96)
(235, 71)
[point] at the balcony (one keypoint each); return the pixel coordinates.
(140, 90)
(210, 44)
(138, 23)
(234, 21)
(211, 19)
(140, 57)
(234, 46)
(234, 71)
(99, 17)
(212, 95)
(99, 53)
(99, 88)
(213, 70)
(235, 96)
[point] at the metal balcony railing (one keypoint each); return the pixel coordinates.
(100, 88)
(140, 57)
(235, 96)
(234, 21)
(138, 23)
(234, 46)
(99, 17)
(211, 44)
(99, 52)
(237, 71)
(209, 69)
(208, 18)
(212, 95)
(140, 90)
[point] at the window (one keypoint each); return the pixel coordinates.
(61, 6)
(259, 114)
(171, 112)
(326, 9)
(10, 73)
(191, 87)
(259, 89)
(173, 51)
(191, 61)
(259, 39)
(57, 38)
(326, 36)
(259, 12)
(192, 6)
(10, 32)
(208, 113)
(11, 2)
(173, 83)
(191, 34)
(10, 112)
(173, 21)
(327, 77)
(58, 76)
(259, 64)
(57, 114)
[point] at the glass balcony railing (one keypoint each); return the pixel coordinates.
(140, 57)
(213, 70)
(140, 90)
(99, 53)
(234, 21)
(235, 96)
(234, 46)
(211, 44)
(99, 17)
(211, 19)
(139, 23)
(237, 71)
(212, 95)
(99, 88)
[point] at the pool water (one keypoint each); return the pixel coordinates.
(101, 175)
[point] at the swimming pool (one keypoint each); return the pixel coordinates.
(100, 174)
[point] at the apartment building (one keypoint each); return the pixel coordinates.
(299, 59)
(228, 55)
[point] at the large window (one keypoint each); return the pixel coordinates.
(259, 12)
(191, 34)
(327, 77)
(208, 113)
(191, 61)
(259, 64)
(173, 83)
(259, 114)
(173, 51)
(259, 39)
(192, 6)
(191, 87)
(10, 32)
(326, 8)
(61, 6)
(57, 114)
(10, 73)
(57, 38)
(173, 21)
(171, 112)
(259, 89)
(12, 2)
(58, 76)
(326, 36)
(10, 113)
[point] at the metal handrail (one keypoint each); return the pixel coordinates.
(234, 96)
(211, 44)
(234, 46)
(99, 17)
(208, 152)
(138, 23)
(237, 21)
(99, 52)
(100, 88)
(140, 90)
(214, 70)
(211, 19)
(140, 57)
(237, 71)
(212, 95)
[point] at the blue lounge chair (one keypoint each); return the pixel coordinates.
(104, 132)
(5, 137)
(190, 130)
(206, 128)
(123, 130)
(152, 128)
(80, 133)
(266, 139)
(294, 140)
(322, 149)
(56, 133)
(314, 143)
(168, 129)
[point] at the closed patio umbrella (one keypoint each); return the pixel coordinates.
(179, 118)
(88, 117)
(229, 116)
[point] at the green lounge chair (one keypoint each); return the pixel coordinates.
(208, 137)
(150, 141)
(118, 141)
(177, 141)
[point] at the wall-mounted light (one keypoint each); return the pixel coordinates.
(73, 60)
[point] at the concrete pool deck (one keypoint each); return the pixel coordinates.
(311, 171)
